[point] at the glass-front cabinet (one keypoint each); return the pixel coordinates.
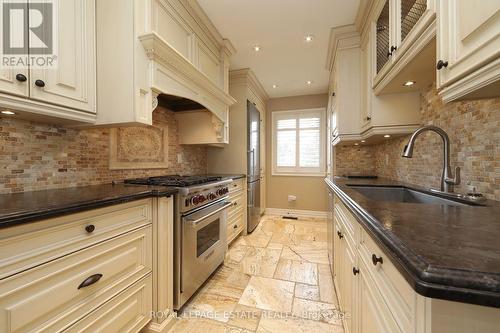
(401, 28)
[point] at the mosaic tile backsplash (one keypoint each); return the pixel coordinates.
(37, 156)
(474, 131)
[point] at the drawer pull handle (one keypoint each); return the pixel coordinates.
(377, 260)
(340, 235)
(355, 271)
(90, 228)
(235, 226)
(90, 281)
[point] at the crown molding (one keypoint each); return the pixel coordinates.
(246, 76)
(345, 36)
(228, 47)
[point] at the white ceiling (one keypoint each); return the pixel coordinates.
(279, 28)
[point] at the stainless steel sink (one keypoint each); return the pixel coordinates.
(403, 194)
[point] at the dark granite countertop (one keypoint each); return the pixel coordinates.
(445, 252)
(18, 208)
(228, 176)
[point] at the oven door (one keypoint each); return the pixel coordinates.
(204, 244)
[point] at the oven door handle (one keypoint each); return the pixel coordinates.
(201, 219)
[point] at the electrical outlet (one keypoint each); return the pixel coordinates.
(292, 198)
(386, 159)
(179, 158)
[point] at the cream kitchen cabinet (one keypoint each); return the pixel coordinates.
(68, 91)
(404, 33)
(237, 212)
(356, 112)
(104, 269)
(375, 296)
(73, 82)
(150, 48)
(344, 103)
(468, 52)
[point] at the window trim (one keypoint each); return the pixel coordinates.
(298, 171)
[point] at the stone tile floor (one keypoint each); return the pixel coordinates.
(276, 279)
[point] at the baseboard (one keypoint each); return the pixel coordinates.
(295, 212)
(163, 327)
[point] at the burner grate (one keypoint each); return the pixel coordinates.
(174, 180)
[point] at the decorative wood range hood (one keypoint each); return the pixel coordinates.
(172, 56)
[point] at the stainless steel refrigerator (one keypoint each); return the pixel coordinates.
(253, 166)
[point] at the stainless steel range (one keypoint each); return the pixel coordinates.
(200, 240)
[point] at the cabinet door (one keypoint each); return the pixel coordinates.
(8, 82)
(72, 82)
(383, 31)
(336, 254)
(374, 317)
(468, 36)
(329, 229)
(348, 285)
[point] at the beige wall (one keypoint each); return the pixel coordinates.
(310, 191)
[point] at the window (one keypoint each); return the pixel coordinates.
(299, 142)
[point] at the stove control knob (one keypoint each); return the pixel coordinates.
(212, 196)
(201, 198)
(197, 199)
(219, 192)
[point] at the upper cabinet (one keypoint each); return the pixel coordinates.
(73, 82)
(65, 90)
(468, 53)
(404, 32)
(355, 112)
(160, 47)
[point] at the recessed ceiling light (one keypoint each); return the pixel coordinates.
(309, 38)
(356, 144)
(275, 86)
(309, 82)
(409, 83)
(363, 141)
(387, 136)
(7, 112)
(257, 48)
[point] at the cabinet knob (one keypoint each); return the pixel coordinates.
(441, 64)
(90, 228)
(340, 235)
(393, 48)
(40, 83)
(368, 118)
(355, 271)
(90, 281)
(377, 260)
(235, 226)
(21, 77)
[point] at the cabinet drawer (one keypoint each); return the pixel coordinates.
(237, 185)
(30, 245)
(235, 225)
(129, 311)
(238, 202)
(398, 294)
(51, 297)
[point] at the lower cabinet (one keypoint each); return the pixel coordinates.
(237, 213)
(375, 298)
(127, 312)
(103, 270)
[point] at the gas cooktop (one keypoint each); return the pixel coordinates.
(174, 180)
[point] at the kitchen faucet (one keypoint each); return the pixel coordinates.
(446, 177)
